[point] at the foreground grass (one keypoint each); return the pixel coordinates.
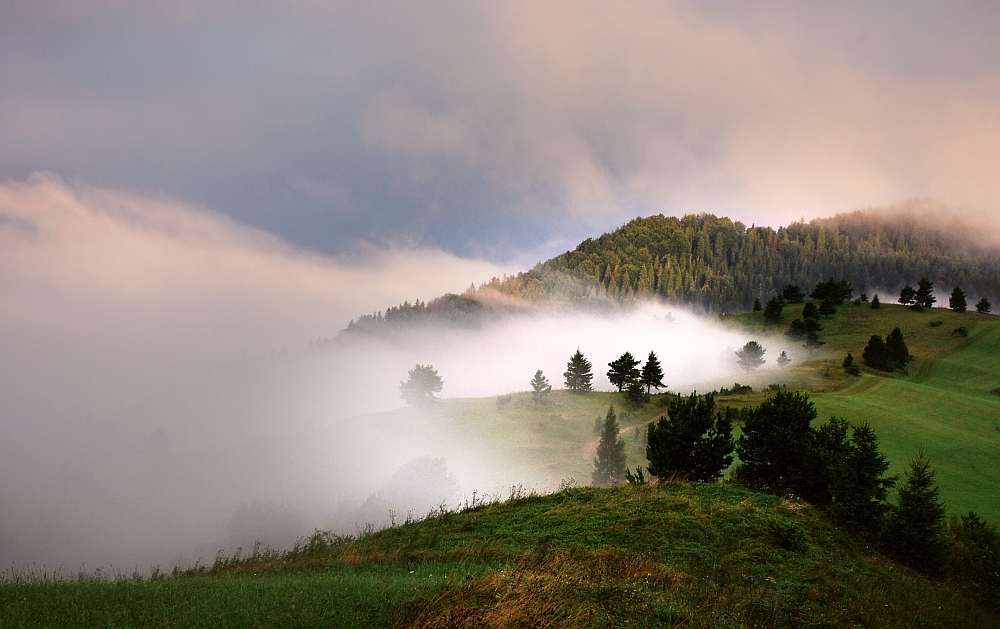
(650, 556)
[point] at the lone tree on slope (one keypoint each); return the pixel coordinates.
(924, 297)
(957, 301)
(906, 295)
(983, 306)
(623, 371)
(876, 304)
(915, 529)
(422, 382)
(751, 356)
(540, 388)
(609, 464)
(578, 375)
(652, 374)
(772, 312)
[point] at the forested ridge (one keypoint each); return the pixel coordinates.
(718, 265)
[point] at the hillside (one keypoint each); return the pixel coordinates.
(671, 555)
(719, 265)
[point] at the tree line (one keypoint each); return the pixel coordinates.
(719, 265)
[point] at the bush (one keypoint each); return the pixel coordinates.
(849, 366)
(961, 331)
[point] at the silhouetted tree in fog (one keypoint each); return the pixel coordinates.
(652, 374)
(539, 388)
(957, 301)
(609, 464)
(421, 384)
(751, 356)
(623, 371)
(983, 306)
(578, 375)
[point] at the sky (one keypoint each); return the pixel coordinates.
(192, 192)
(509, 131)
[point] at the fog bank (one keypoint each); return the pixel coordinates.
(159, 400)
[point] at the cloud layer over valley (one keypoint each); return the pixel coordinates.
(156, 377)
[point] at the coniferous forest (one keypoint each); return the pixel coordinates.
(715, 264)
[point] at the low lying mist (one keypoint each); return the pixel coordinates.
(159, 399)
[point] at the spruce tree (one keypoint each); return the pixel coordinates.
(983, 306)
(906, 295)
(914, 531)
(652, 374)
(772, 312)
(782, 359)
(692, 440)
(828, 308)
(957, 301)
(810, 311)
(876, 304)
(609, 464)
(924, 297)
(756, 304)
(540, 388)
(623, 371)
(751, 356)
(896, 352)
(849, 366)
(578, 375)
(874, 355)
(859, 486)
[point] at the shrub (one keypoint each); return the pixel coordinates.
(961, 331)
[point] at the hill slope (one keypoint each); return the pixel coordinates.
(717, 264)
(671, 555)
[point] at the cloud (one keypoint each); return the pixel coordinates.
(492, 129)
(158, 390)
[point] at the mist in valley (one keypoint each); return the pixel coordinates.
(162, 400)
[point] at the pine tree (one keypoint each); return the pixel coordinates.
(828, 308)
(756, 304)
(876, 304)
(810, 311)
(849, 365)
(957, 301)
(906, 295)
(422, 382)
(896, 352)
(609, 464)
(751, 356)
(652, 374)
(772, 313)
(874, 355)
(914, 531)
(623, 371)
(693, 440)
(540, 388)
(924, 297)
(782, 359)
(778, 449)
(578, 375)
(793, 294)
(983, 306)
(858, 484)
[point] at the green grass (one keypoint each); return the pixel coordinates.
(673, 555)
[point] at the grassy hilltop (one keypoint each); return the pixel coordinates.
(672, 555)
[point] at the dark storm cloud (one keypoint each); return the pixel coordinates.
(490, 129)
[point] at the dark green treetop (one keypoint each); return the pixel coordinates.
(876, 304)
(914, 531)
(983, 306)
(692, 440)
(623, 371)
(924, 297)
(772, 312)
(793, 294)
(957, 300)
(578, 375)
(652, 373)
(859, 486)
(907, 295)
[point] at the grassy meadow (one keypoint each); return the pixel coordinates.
(668, 555)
